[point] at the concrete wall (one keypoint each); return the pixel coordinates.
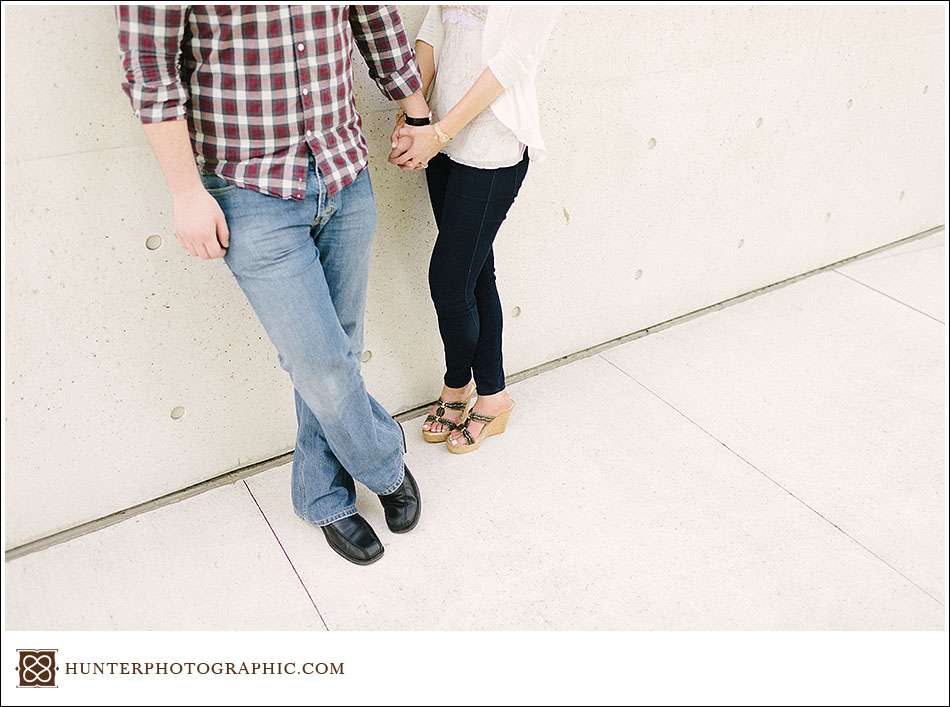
(695, 153)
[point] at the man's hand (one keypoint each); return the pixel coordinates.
(199, 224)
(415, 106)
(399, 144)
(394, 137)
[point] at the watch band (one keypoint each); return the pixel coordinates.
(417, 122)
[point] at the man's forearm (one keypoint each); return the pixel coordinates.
(415, 106)
(172, 147)
(200, 224)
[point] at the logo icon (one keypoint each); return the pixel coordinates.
(37, 668)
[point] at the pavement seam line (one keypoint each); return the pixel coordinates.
(286, 555)
(916, 251)
(890, 297)
(771, 479)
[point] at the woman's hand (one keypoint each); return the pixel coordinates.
(425, 146)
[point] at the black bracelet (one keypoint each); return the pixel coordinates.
(417, 122)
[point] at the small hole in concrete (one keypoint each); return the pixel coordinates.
(366, 356)
(652, 143)
(516, 311)
(637, 274)
(758, 122)
(178, 412)
(153, 242)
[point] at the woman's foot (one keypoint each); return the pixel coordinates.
(487, 406)
(445, 415)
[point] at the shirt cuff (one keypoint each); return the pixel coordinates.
(157, 103)
(427, 35)
(160, 113)
(402, 83)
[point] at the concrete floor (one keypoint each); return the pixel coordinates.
(775, 465)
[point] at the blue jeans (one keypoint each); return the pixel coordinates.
(303, 266)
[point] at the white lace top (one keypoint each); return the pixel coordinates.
(485, 142)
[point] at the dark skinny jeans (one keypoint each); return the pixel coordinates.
(469, 205)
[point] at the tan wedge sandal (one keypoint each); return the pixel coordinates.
(462, 405)
(490, 426)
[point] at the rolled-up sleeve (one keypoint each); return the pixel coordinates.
(381, 39)
(150, 48)
(526, 35)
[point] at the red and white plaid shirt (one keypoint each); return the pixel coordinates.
(263, 87)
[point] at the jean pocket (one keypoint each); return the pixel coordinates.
(216, 185)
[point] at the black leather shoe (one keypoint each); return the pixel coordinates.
(403, 506)
(354, 539)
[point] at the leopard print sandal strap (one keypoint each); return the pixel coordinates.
(473, 417)
(440, 412)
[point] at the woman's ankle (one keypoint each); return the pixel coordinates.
(457, 393)
(495, 399)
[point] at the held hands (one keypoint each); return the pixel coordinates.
(394, 138)
(413, 147)
(399, 145)
(199, 224)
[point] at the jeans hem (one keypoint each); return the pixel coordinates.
(445, 379)
(345, 513)
(402, 475)
(489, 391)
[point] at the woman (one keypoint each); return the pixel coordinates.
(480, 63)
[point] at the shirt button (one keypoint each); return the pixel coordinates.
(306, 91)
(309, 133)
(300, 47)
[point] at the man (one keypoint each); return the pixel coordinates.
(250, 112)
